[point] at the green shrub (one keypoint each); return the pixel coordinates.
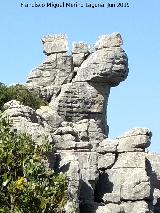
(27, 184)
(3, 95)
(20, 93)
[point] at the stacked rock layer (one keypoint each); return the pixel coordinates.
(105, 176)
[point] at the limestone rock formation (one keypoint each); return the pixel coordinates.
(105, 176)
(26, 120)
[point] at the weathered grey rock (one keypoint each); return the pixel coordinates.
(127, 179)
(107, 146)
(69, 159)
(136, 207)
(80, 47)
(26, 120)
(88, 174)
(156, 201)
(108, 176)
(108, 65)
(117, 174)
(136, 185)
(84, 131)
(154, 167)
(77, 139)
(71, 207)
(78, 59)
(87, 93)
(137, 139)
(11, 104)
(55, 44)
(65, 145)
(80, 52)
(130, 160)
(87, 160)
(106, 41)
(137, 131)
(106, 161)
(126, 207)
(48, 77)
(69, 164)
(81, 101)
(52, 118)
(156, 196)
(110, 208)
(127, 184)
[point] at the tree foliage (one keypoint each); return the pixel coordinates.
(27, 183)
(20, 93)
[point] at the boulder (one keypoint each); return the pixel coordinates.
(137, 139)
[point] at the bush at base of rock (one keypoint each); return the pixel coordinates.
(27, 183)
(20, 93)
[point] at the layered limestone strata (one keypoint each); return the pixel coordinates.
(79, 90)
(105, 176)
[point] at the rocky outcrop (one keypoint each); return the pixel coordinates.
(153, 170)
(79, 90)
(56, 70)
(125, 181)
(105, 176)
(26, 120)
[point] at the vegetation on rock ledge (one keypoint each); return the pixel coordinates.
(27, 183)
(20, 93)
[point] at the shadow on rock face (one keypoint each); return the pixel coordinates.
(157, 206)
(87, 204)
(102, 187)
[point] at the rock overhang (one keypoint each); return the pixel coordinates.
(117, 174)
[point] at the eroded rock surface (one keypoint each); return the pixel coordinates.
(105, 176)
(26, 120)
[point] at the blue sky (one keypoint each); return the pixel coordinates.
(134, 103)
